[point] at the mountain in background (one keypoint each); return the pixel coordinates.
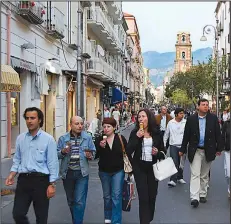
(160, 63)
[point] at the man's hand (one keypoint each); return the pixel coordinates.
(51, 191)
(218, 153)
(10, 179)
(66, 150)
(88, 154)
(181, 153)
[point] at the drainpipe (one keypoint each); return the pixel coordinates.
(8, 103)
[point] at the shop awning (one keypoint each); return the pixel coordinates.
(95, 82)
(20, 63)
(117, 96)
(10, 81)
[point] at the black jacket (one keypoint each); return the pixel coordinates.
(212, 141)
(110, 160)
(135, 146)
(226, 135)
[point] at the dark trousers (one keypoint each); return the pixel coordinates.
(31, 189)
(147, 186)
(174, 153)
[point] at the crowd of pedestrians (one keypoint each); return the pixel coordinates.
(36, 161)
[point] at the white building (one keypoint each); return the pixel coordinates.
(39, 41)
(223, 16)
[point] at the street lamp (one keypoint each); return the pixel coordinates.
(207, 30)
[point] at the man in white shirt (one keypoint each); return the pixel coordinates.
(175, 133)
(116, 116)
(106, 113)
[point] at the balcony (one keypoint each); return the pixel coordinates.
(114, 10)
(55, 24)
(86, 3)
(33, 12)
(99, 23)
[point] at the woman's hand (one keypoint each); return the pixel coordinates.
(102, 143)
(154, 151)
(140, 133)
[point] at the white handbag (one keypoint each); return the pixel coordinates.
(164, 168)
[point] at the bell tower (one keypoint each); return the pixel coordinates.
(183, 46)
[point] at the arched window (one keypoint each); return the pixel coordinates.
(183, 55)
(183, 38)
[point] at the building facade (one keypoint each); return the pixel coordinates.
(136, 62)
(222, 14)
(49, 45)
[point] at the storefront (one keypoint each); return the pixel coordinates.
(52, 100)
(10, 82)
(70, 99)
(93, 103)
(26, 98)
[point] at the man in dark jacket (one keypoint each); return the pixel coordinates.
(203, 137)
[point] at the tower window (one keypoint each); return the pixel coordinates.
(183, 38)
(183, 55)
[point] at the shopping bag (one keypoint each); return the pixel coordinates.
(128, 194)
(164, 168)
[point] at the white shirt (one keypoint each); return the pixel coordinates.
(147, 149)
(172, 114)
(106, 114)
(116, 114)
(175, 132)
(225, 117)
(163, 123)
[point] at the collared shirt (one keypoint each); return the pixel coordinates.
(106, 114)
(36, 154)
(202, 125)
(175, 132)
(163, 123)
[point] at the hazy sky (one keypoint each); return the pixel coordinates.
(159, 22)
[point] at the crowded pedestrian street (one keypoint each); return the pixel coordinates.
(172, 205)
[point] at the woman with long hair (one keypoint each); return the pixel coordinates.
(146, 143)
(111, 170)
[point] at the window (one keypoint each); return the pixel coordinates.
(183, 38)
(183, 55)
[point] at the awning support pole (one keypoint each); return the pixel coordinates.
(8, 94)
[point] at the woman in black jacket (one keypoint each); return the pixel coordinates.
(226, 142)
(146, 143)
(111, 170)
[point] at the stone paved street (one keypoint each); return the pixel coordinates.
(173, 205)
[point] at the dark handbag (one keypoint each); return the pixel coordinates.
(128, 189)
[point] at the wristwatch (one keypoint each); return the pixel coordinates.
(53, 184)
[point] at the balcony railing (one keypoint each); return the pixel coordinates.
(55, 23)
(100, 17)
(99, 66)
(33, 12)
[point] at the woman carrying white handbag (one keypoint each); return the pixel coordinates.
(146, 143)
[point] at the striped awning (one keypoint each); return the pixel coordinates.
(10, 81)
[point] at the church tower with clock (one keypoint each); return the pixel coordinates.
(183, 46)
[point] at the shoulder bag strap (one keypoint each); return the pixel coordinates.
(122, 144)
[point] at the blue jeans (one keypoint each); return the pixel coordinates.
(76, 188)
(112, 184)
